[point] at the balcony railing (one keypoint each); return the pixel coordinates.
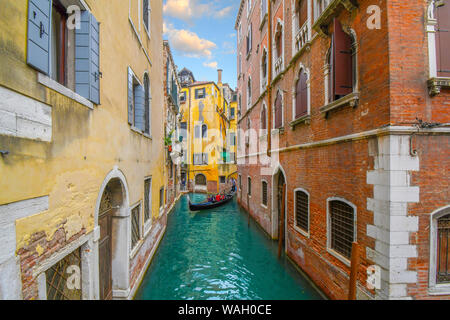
(301, 37)
(278, 66)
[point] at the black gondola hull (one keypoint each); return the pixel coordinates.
(209, 205)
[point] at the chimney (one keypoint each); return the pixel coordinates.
(219, 81)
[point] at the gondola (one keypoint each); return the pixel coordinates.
(210, 205)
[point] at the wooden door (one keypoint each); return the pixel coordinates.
(105, 247)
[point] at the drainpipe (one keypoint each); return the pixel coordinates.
(189, 144)
(269, 80)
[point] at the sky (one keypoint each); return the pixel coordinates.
(202, 37)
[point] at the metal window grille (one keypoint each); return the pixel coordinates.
(264, 193)
(57, 278)
(342, 227)
(135, 228)
(301, 210)
(147, 197)
(443, 249)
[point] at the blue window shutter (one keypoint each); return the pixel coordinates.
(95, 61)
(139, 107)
(130, 96)
(87, 73)
(39, 34)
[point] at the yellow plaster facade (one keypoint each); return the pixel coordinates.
(205, 149)
(88, 141)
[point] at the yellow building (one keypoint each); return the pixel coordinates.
(208, 126)
(81, 140)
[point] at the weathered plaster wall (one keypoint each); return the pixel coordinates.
(85, 143)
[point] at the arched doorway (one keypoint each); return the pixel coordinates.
(279, 204)
(281, 208)
(112, 218)
(112, 200)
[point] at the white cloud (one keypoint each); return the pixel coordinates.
(228, 48)
(187, 10)
(223, 12)
(188, 43)
(212, 65)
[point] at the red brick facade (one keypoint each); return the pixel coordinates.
(348, 151)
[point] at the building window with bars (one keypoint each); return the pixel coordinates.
(264, 193)
(147, 200)
(58, 275)
(443, 250)
(249, 191)
(341, 227)
(301, 210)
(161, 198)
(135, 226)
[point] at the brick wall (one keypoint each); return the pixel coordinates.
(392, 69)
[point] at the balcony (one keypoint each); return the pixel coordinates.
(278, 66)
(327, 10)
(302, 37)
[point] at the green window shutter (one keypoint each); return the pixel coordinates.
(39, 34)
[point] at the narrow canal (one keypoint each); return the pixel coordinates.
(215, 255)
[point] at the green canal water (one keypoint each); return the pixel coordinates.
(215, 255)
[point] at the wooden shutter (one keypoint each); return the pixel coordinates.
(301, 95)
(278, 111)
(87, 71)
(342, 65)
(303, 13)
(139, 107)
(263, 119)
(443, 40)
(130, 96)
(39, 34)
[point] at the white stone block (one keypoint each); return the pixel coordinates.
(403, 276)
(8, 241)
(404, 194)
(398, 264)
(8, 124)
(399, 238)
(381, 192)
(397, 290)
(404, 224)
(10, 281)
(403, 251)
(33, 130)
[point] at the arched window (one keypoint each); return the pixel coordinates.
(200, 179)
(204, 131)
(301, 199)
(443, 250)
(278, 111)
(301, 95)
(147, 104)
(263, 118)
(279, 42)
(342, 227)
(264, 66)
